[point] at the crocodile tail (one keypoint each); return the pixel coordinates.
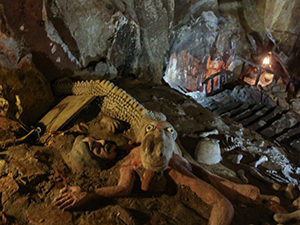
(117, 103)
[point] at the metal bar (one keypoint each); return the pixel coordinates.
(213, 76)
(210, 77)
(258, 76)
(257, 66)
(219, 81)
(225, 78)
(211, 86)
(244, 71)
(205, 88)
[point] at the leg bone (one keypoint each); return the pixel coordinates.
(296, 202)
(285, 217)
(289, 191)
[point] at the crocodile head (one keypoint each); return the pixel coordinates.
(157, 145)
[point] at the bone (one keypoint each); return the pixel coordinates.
(296, 202)
(206, 134)
(241, 174)
(261, 160)
(236, 159)
(286, 217)
(289, 191)
(270, 198)
(254, 172)
(276, 186)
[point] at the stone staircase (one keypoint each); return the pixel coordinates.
(264, 116)
(273, 122)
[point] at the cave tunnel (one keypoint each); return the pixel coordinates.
(149, 112)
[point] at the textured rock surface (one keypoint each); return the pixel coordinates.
(128, 36)
(142, 38)
(27, 91)
(282, 19)
(277, 19)
(24, 90)
(24, 20)
(186, 10)
(278, 22)
(207, 37)
(110, 38)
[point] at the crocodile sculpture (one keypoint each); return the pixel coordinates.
(157, 154)
(117, 104)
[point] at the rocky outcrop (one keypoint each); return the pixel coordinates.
(139, 38)
(104, 37)
(221, 30)
(121, 37)
(281, 18)
(278, 22)
(25, 93)
(113, 36)
(204, 40)
(26, 90)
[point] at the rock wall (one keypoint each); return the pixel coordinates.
(220, 30)
(105, 37)
(23, 88)
(277, 22)
(112, 37)
(121, 37)
(282, 19)
(143, 38)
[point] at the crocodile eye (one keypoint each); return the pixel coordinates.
(149, 128)
(170, 129)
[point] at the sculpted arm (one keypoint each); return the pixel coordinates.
(73, 196)
(124, 186)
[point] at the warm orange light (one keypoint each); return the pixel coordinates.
(266, 60)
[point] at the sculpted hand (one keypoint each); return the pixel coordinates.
(70, 197)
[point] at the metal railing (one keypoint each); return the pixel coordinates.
(225, 77)
(222, 78)
(259, 71)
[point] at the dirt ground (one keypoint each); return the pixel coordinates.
(32, 173)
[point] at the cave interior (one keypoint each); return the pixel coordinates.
(225, 73)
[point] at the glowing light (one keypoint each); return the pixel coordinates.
(266, 60)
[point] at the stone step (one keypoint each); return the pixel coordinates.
(265, 119)
(228, 107)
(222, 103)
(287, 121)
(256, 116)
(213, 106)
(281, 125)
(289, 133)
(248, 112)
(239, 110)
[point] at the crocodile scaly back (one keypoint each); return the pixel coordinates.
(116, 102)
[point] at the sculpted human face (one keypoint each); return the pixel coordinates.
(157, 145)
